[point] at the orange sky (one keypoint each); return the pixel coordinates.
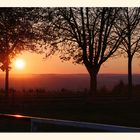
(35, 64)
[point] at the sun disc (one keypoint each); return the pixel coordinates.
(19, 64)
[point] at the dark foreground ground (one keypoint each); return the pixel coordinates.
(107, 109)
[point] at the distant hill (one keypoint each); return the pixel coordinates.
(67, 81)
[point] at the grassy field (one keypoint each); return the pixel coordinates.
(106, 108)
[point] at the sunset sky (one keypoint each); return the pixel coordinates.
(35, 64)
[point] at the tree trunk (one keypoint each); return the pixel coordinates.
(7, 81)
(93, 72)
(93, 84)
(130, 77)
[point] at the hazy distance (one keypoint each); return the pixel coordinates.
(67, 81)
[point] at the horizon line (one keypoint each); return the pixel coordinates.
(67, 74)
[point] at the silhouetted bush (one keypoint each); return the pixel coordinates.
(120, 88)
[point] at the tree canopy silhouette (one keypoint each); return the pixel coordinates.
(130, 22)
(16, 34)
(86, 35)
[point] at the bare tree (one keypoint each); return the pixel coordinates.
(130, 21)
(87, 35)
(16, 35)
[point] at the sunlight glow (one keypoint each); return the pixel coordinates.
(19, 64)
(18, 116)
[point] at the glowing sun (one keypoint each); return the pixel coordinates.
(19, 64)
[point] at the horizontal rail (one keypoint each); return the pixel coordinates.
(77, 124)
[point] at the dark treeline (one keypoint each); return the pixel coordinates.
(88, 36)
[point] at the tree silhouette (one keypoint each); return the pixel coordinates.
(130, 21)
(86, 35)
(16, 35)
